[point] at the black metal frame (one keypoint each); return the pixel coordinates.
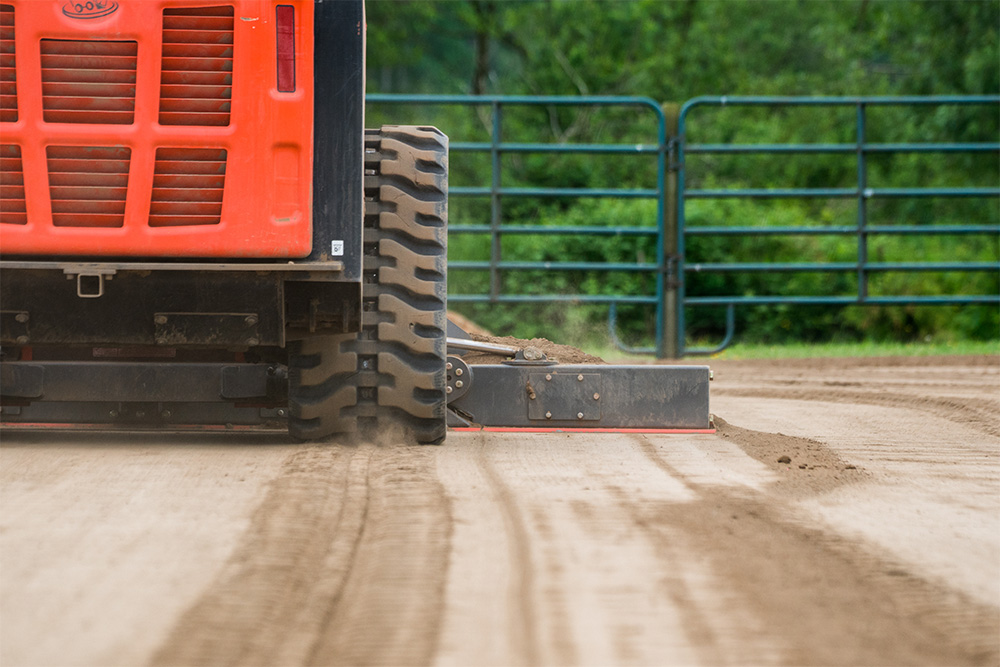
(338, 132)
(517, 394)
(582, 396)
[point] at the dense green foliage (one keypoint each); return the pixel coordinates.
(676, 50)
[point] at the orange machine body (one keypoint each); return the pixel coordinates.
(156, 128)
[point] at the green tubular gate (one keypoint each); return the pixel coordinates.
(671, 195)
(861, 192)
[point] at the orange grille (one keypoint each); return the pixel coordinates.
(88, 185)
(12, 209)
(196, 80)
(8, 72)
(187, 187)
(157, 129)
(88, 81)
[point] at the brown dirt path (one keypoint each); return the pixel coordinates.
(876, 542)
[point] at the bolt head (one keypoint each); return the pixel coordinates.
(579, 415)
(251, 320)
(548, 378)
(448, 366)
(21, 317)
(161, 341)
(459, 371)
(597, 397)
(533, 354)
(282, 412)
(459, 384)
(112, 413)
(448, 389)
(160, 319)
(580, 377)
(548, 415)
(22, 340)
(253, 341)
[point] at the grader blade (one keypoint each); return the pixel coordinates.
(546, 396)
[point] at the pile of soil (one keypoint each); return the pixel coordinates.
(564, 354)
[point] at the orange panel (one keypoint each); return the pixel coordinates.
(154, 129)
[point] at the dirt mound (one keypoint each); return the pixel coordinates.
(565, 354)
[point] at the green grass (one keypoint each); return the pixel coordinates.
(806, 350)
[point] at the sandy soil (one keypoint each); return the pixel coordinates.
(847, 512)
(565, 354)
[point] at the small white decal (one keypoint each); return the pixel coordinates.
(337, 248)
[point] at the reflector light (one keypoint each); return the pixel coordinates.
(285, 24)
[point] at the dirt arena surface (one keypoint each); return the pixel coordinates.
(847, 512)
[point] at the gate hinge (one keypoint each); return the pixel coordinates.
(673, 153)
(672, 278)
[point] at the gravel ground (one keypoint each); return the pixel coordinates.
(847, 512)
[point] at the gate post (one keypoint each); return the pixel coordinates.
(668, 347)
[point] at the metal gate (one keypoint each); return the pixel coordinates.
(677, 182)
(864, 191)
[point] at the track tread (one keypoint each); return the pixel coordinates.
(320, 386)
(406, 220)
(393, 370)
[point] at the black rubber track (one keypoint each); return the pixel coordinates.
(403, 344)
(391, 376)
(322, 386)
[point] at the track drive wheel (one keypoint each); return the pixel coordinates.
(402, 347)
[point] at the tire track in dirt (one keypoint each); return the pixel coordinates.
(551, 567)
(697, 627)
(524, 641)
(391, 609)
(254, 606)
(826, 600)
(344, 562)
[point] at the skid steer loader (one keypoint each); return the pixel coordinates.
(196, 231)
